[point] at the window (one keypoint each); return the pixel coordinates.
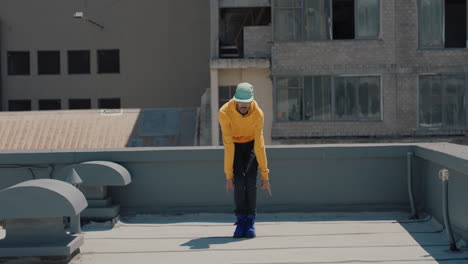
(109, 103)
(317, 20)
(231, 28)
(317, 98)
(50, 104)
(18, 63)
(48, 62)
(357, 98)
(442, 23)
(455, 23)
(79, 103)
(288, 20)
(367, 19)
(78, 62)
(343, 19)
(296, 20)
(441, 101)
(108, 61)
(326, 98)
(19, 105)
(289, 98)
(225, 94)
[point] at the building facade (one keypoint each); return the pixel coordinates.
(320, 68)
(358, 68)
(103, 54)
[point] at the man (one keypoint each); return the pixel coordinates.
(241, 122)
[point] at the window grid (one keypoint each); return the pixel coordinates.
(287, 87)
(432, 24)
(437, 96)
(294, 8)
(302, 7)
(333, 116)
(356, 21)
(317, 92)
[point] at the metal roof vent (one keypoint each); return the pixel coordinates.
(33, 214)
(96, 177)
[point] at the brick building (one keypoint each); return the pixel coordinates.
(346, 68)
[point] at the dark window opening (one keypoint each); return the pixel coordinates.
(78, 62)
(225, 94)
(79, 103)
(19, 105)
(50, 104)
(18, 63)
(108, 61)
(455, 23)
(109, 103)
(48, 62)
(343, 19)
(231, 28)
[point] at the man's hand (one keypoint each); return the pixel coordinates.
(229, 185)
(266, 186)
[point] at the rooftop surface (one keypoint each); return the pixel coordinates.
(384, 237)
(369, 175)
(97, 128)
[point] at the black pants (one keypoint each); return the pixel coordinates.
(245, 179)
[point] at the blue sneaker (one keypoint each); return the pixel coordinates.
(250, 226)
(240, 229)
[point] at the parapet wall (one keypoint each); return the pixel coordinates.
(182, 180)
(307, 178)
(430, 159)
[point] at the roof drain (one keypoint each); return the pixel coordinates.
(409, 174)
(444, 177)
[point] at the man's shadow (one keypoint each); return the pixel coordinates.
(205, 242)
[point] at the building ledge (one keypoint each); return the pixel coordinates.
(239, 63)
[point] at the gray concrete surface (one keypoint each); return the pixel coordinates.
(430, 159)
(342, 177)
(385, 237)
(304, 178)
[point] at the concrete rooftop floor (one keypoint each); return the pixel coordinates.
(385, 237)
(281, 238)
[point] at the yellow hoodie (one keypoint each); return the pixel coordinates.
(237, 128)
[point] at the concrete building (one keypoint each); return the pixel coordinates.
(240, 51)
(103, 54)
(347, 69)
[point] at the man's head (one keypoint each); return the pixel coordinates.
(244, 96)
